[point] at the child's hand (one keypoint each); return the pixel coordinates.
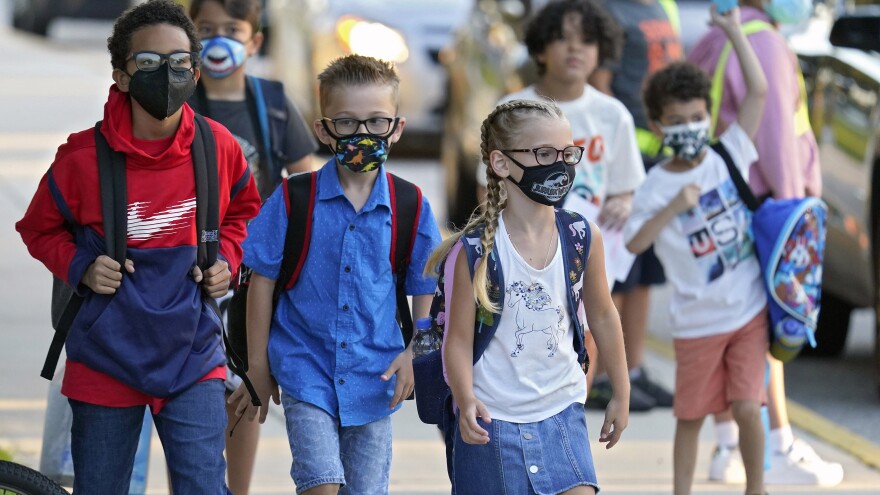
(687, 198)
(616, 419)
(402, 367)
(615, 211)
(215, 280)
(471, 431)
(103, 276)
(265, 386)
(728, 21)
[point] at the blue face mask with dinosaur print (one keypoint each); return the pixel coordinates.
(362, 152)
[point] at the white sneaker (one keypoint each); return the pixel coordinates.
(801, 465)
(727, 466)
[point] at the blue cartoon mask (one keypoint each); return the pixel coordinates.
(362, 152)
(789, 11)
(221, 56)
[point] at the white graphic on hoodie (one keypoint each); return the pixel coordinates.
(168, 221)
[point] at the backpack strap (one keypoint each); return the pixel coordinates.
(742, 187)
(300, 192)
(255, 94)
(576, 238)
(114, 197)
(486, 322)
(204, 156)
(114, 211)
(406, 209)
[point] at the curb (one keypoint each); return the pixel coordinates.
(805, 418)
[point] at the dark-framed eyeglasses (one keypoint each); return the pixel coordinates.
(347, 126)
(547, 155)
(179, 61)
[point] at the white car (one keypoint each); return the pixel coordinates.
(308, 34)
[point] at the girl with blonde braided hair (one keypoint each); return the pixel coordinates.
(524, 395)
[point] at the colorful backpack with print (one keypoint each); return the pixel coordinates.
(790, 243)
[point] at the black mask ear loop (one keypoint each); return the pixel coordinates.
(515, 162)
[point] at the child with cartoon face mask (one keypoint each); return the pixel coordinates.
(272, 133)
(690, 210)
(273, 136)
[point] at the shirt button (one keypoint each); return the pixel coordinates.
(527, 436)
(342, 382)
(344, 345)
(533, 469)
(351, 227)
(345, 307)
(347, 269)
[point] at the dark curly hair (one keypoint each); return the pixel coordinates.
(148, 14)
(243, 10)
(678, 82)
(597, 26)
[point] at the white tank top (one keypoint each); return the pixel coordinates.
(530, 372)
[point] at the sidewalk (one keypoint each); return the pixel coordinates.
(640, 464)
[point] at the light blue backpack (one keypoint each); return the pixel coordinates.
(790, 242)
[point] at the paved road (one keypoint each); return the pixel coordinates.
(49, 90)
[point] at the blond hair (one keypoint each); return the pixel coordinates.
(356, 70)
(500, 128)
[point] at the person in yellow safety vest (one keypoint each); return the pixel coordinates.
(787, 167)
(652, 41)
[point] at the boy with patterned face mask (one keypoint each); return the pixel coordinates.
(145, 334)
(788, 166)
(689, 208)
(332, 341)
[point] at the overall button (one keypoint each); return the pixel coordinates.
(344, 345)
(527, 436)
(347, 269)
(351, 227)
(533, 469)
(345, 307)
(342, 382)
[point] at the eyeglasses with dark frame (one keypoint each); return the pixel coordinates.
(347, 126)
(547, 155)
(179, 61)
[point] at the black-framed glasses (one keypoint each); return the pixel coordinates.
(347, 126)
(179, 61)
(547, 155)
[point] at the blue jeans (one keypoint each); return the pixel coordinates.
(191, 427)
(357, 457)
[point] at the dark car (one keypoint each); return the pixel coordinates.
(844, 86)
(36, 15)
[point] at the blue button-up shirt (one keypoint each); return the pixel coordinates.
(334, 333)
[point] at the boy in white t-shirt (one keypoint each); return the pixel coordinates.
(689, 209)
(568, 39)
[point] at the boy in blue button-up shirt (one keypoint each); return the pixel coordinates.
(335, 348)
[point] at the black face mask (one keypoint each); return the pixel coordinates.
(545, 184)
(163, 91)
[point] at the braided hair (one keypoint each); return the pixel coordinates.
(501, 127)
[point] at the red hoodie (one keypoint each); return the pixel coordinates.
(161, 219)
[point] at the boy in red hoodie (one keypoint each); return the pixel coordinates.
(144, 335)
